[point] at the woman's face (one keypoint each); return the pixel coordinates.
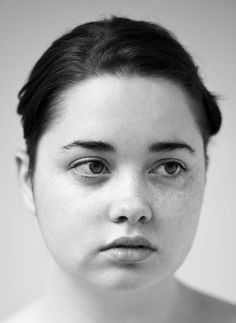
(124, 159)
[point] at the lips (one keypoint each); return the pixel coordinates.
(129, 249)
(131, 242)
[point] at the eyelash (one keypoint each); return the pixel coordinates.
(180, 168)
(91, 176)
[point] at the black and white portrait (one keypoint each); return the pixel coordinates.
(117, 169)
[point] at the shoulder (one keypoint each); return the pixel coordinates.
(27, 315)
(215, 310)
(209, 309)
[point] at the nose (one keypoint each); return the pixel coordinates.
(130, 203)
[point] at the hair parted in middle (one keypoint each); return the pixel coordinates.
(117, 46)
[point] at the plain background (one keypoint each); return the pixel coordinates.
(208, 30)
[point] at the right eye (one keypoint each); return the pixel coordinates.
(90, 168)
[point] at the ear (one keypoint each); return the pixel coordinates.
(25, 180)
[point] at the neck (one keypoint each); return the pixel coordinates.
(68, 300)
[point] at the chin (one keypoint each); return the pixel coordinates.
(124, 282)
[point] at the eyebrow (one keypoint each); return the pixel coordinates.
(93, 145)
(161, 146)
(165, 146)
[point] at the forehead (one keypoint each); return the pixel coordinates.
(116, 108)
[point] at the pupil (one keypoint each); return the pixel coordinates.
(171, 168)
(96, 167)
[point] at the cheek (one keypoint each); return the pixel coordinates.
(69, 220)
(179, 212)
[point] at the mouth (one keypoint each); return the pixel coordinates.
(129, 249)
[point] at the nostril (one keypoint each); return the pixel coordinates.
(143, 219)
(132, 212)
(121, 219)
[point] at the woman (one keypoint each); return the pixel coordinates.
(117, 122)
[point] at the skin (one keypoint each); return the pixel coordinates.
(157, 194)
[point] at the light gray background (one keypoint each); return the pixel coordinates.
(208, 29)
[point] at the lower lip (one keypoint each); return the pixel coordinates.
(129, 255)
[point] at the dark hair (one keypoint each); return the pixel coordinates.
(116, 46)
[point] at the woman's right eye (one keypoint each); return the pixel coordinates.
(90, 168)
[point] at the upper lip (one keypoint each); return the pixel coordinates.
(132, 242)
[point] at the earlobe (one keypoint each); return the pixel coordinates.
(25, 180)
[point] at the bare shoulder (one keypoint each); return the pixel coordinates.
(29, 314)
(209, 309)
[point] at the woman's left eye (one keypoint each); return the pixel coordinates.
(169, 168)
(90, 168)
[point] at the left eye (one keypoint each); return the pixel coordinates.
(90, 168)
(168, 168)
